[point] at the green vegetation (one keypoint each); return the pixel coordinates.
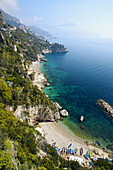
(18, 146)
(20, 143)
(103, 165)
(58, 48)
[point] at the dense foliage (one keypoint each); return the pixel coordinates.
(20, 144)
(21, 91)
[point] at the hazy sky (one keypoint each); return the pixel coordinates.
(84, 18)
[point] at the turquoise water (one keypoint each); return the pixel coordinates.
(78, 79)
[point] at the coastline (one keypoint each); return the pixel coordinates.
(39, 78)
(59, 132)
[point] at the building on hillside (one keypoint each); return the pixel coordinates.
(31, 74)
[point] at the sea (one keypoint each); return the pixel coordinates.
(78, 79)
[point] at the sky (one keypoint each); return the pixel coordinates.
(78, 18)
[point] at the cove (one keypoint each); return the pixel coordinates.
(78, 79)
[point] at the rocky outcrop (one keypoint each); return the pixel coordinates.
(64, 113)
(36, 113)
(58, 50)
(46, 51)
(106, 107)
(43, 60)
(39, 57)
(47, 84)
(55, 50)
(2, 39)
(15, 48)
(58, 105)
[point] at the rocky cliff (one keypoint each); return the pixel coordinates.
(54, 50)
(35, 32)
(46, 51)
(36, 113)
(2, 39)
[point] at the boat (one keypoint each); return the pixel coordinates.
(99, 143)
(86, 156)
(70, 151)
(81, 151)
(88, 153)
(63, 149)
(70, 145)
(81, 118)
(76, 150)
(54, 144)
(67, 151)
(91, 153)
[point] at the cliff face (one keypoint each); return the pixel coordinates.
(2, 39)
(54, 50)
(46, 51)
(24, 92)
(60, 51)
(36, 113)
(2, 19)
(44, 33)
(16, 22)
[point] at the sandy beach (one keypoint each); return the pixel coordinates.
(59, 133)
(39, 78)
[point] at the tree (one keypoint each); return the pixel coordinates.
(5, 156)
(5, 92)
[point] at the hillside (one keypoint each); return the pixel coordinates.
(33, 30)
(39, 31)
(21, 146)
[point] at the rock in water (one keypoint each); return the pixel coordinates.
(64, 113)
(106, 107)
(47, 84)
(58, 105)
(81, 118)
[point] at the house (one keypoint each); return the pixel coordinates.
(31, 74)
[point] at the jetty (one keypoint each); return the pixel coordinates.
(107, 107)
